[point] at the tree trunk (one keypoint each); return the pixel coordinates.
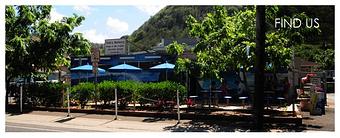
(259, 67)
(275, 77)
(59, 75)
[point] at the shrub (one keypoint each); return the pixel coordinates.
(53, 93)
(165, 91)
(106, 91)
(129, 91)
(37, 94)
(83, 92)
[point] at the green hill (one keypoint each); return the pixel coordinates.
(167, 23)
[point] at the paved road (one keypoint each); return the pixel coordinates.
(20, 127)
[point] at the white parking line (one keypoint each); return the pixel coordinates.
(38, 129)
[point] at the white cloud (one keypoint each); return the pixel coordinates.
(117, 25)
(94, 37)
(83, 8)
(150, 9)
(55, 16)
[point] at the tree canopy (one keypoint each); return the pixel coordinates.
(34, 43)
(227, 41)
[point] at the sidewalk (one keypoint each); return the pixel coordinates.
(91, 122)
(106, 123)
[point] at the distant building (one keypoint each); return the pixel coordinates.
(115, 47)
(189, 42)
(161, 47)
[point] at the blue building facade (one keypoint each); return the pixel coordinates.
(144, 61)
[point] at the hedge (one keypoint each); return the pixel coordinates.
(40, 94)
(129, 91)
(51, 94)
(83, 92)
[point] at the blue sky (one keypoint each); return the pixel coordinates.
(104, 22)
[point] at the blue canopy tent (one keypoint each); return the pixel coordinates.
(86, 68)
(124, 67)
(165, 66)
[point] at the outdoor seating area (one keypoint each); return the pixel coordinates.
(242, 102)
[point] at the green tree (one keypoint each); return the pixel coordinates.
(324, 57)
(35, 44)
(214, 38)
(224, 40)
(176, 49)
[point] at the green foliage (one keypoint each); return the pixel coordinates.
(106, 91)
(167, 23)
(182, 64)
(175, 48)
(236, 34)
(129, 91)
(83, 92)
(213, 33)
(40, 94)
(163, 90)
(324, 57)
(224, 40)
(51, 94)
(279, 55)
(35, 43)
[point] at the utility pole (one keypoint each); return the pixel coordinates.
(68, 102)
(178, 111)
(259, 66)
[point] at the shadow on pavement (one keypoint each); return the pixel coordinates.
(62, 120)
(218, 126)
(209, 126)
(14, 112)
(155, 119)
(65, 119)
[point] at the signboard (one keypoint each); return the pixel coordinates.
(95, 54)
(115, 46)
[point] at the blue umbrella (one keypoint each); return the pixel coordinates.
(165, 66)
(86, 68)
(124, 67)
